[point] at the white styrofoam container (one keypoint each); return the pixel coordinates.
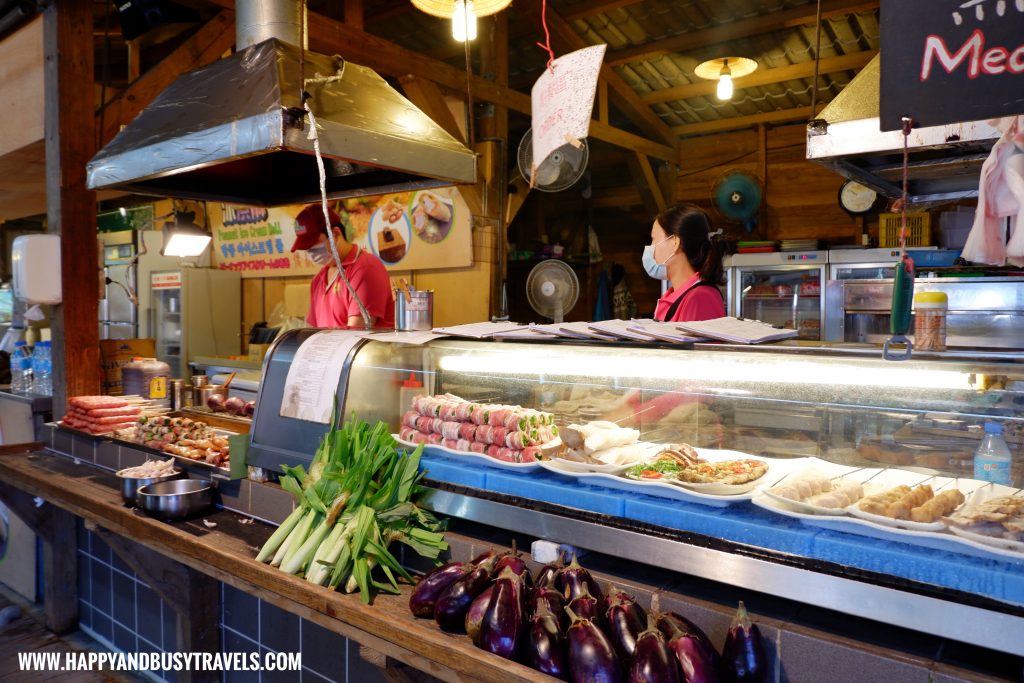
(35, 266)
(954, 227)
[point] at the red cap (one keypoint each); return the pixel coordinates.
(309, 225)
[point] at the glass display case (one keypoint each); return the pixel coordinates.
(780, 288)
(843, 411)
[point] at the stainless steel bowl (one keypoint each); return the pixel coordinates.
(130, 485)
(177, 498)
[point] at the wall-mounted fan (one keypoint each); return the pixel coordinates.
(552, 289)
(737, 196)
(560, 170)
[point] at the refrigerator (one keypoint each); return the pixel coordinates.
(195, 312)
(782, 288)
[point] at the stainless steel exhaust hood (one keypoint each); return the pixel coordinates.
(944, 161)
(234, 131)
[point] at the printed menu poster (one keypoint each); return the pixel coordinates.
(312, 382)
(406, 231)
(563, 100)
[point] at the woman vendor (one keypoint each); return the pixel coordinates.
(683, 251)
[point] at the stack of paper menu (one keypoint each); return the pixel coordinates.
(663, 331)
(621, 329)
(736, 330)
(479, 330)
(524, 332)
(575, 330)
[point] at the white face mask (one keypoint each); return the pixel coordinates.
(320, 254)
(658, 271)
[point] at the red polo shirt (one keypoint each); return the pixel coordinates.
(699, 302)
(331, 306)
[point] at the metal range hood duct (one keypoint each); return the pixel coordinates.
(944, 161)
(234, 131)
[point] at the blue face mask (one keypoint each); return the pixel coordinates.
(320, 254)
(658, 271)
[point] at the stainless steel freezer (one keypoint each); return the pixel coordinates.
(782, 288)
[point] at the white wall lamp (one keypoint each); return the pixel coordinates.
(183, 238)
(463, 13)
(724, 70)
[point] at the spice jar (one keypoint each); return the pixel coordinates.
(930, 321)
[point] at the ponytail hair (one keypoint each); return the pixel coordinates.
(702, 250)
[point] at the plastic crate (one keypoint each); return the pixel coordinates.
(919, 229)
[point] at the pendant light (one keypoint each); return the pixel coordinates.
(463, 13)
(724, 70)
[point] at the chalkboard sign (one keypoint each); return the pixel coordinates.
(945, 61)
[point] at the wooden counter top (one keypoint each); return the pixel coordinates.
(226, 552)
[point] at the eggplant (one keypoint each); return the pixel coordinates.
(653, 661)
(547, 576)
(475, 614)
(486, 555)
(215, 402)
(451, 606)
(743, 655)
(517, 564)
(697, 657)
(431, 586)
(502, 628)
(234, 405)
(573, 577)
(551, 600)
(545, 645)
(592, 658)
(624, 620)
(586, 606)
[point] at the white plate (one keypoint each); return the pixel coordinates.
(673, 491)
(801, 506)
(650, 450)
(1014, 547)
(482, 458)
(717, 489)
(893, 477)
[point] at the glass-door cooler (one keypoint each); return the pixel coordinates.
(166, 288)
(780, 288)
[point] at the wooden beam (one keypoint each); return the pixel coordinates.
(651, 181)
(70, 208)
(737, 122)
(621, 93)
(582, 10)
(734, 30)
(429, 98)
(602, 101)
(762, 77)
(21, 73)
(354, 13)
(330, 36)
(202, 48)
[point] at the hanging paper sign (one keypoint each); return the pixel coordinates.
(948, 61)
(406, 231)
(563, 101)
(312, 382)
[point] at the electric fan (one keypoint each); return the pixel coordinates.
(737, 196)
(559, 170)
(552, 289)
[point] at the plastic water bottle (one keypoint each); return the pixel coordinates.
(42, 367)
(21, 369)
(992, 459)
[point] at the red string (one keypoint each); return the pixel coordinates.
(547, 35)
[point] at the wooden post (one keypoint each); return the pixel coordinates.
(70, 208)
(494, 124)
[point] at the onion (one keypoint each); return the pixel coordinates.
(250, 409)
(234, 405)
(215, 402)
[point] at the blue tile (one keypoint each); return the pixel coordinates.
(552, 488)
(84, 614)
(124, 640)
(440, 468)
(241, 612)
(150, 625)
(170, 627)
(232, 642)
(323, 651)
(361, 671)
(101, 581)
(279, 630)
(124, 600)
(102, 625)
(83, 535)
(84, 577)
(100, 550)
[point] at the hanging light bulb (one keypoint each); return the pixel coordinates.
(725, 82)
(464, 21)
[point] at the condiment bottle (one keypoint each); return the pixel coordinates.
(411, 388)
(930, 321)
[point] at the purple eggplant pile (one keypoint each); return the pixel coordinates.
(561, 623)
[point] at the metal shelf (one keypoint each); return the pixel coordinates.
(994, 626)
